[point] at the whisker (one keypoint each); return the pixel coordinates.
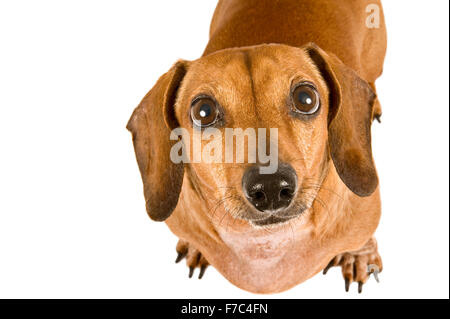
(235, 213)
(315, 198)
(220, 202)
(316, 186)
(292, 230)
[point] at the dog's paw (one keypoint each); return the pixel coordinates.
(194, 258)
(357, 266)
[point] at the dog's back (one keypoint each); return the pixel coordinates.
(339, 27)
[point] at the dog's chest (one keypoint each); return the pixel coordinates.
(260, 246)
(263, 255)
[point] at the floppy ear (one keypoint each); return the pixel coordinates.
(349, 122)
(150, 125)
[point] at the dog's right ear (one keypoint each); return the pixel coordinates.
(350, 119)
(150, 125)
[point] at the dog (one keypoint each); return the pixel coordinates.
(307, 68)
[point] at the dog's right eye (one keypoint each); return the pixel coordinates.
(204, 112)
(306, 99)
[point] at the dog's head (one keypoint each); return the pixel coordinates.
(320, 108)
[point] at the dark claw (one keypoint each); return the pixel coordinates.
(347, 284)
(360, 286)
(180, 257)
(191, 272)
(378, 118)
(375, 275)
(202, 271)
(330, 264)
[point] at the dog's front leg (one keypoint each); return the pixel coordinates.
(194, 258)
(358, 265)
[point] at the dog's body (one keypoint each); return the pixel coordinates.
(343, 208)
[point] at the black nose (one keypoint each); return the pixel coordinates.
(270, 192)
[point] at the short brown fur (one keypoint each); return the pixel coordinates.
(257, 49)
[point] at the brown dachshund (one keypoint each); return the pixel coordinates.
(307, 68)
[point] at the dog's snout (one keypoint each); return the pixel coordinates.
(270, 192)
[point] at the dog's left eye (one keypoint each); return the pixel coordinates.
(306, 99)
(204, 112)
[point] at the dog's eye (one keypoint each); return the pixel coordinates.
(306, 99)
(204, 112)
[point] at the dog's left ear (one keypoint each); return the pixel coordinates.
(349, 122)
(151, 125)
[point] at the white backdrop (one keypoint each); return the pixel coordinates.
(72, 215)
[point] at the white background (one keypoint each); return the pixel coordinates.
(72, 215)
